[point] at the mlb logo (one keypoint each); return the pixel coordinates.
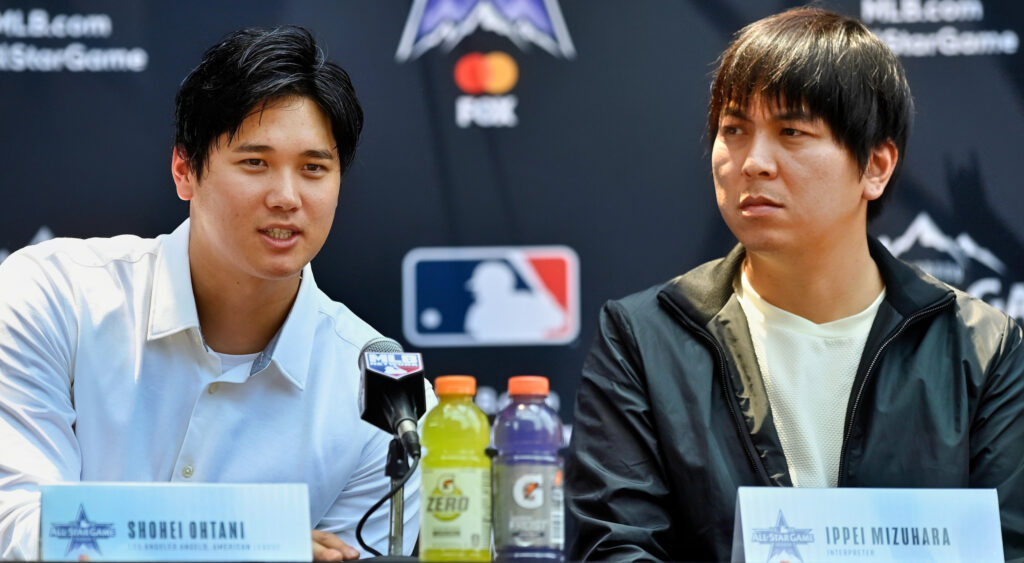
(490, 296)
(395, 365)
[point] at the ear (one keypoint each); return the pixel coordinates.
(184, 178)
(881, 164)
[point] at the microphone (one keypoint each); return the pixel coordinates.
(391, 390)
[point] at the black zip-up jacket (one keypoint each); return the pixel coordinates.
(672, 415)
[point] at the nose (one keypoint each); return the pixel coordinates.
(284, 193)
(759, 162)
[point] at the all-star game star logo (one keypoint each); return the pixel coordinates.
(82, 532)
(783, 539)
(447, 22)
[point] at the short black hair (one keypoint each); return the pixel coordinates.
(828, 65)
(248, 69)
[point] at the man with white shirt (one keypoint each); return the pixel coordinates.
(208, 354)
(808, 356)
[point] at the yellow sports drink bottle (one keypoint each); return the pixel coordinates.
(455, 512)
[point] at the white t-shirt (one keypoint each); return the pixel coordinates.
(229, 362)
(808, 370)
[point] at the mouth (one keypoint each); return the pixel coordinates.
(277, 233)
(756, 206)
(758, 201)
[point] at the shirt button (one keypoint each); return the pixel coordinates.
(213, 388)
(187, 471)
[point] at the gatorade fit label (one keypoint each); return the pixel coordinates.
(529, 506)
(456, 514)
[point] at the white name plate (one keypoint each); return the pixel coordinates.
(860, 525)
(175, 522)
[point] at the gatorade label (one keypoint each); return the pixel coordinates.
(456, 509)
(529, 506)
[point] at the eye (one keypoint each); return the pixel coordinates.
(314, 168)
(790, 132)
(730, 130)
(254, 162)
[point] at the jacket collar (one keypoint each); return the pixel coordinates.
(907, 288)
(702, 292)
(173, 310)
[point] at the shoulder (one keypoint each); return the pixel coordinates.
(340, 324)
(64, 264)
(698, 294)
(973, 311)
(988, 328)
(641, 322)
(66, 253)
(639, 304)
(50, 289)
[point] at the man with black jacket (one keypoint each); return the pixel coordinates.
(809, 356)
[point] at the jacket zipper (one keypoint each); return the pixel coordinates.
(867, 375)
(726, 388)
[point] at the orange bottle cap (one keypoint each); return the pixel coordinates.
(455, 385)
(528, 385)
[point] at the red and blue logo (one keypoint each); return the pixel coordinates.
(394, 365)
(490, 296)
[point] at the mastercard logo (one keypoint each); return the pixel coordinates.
(492, 73)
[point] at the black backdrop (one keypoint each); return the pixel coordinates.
(607, 157)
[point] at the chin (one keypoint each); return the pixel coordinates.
(278, 272)
(762, 242)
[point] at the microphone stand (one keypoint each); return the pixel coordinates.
(397, 468)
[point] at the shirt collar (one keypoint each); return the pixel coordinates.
(292, 346)
(173, 309)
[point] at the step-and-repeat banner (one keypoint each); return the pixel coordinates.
(522, 161)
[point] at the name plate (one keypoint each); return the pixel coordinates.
(175, 522)
(860, 525)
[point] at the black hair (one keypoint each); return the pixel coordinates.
(828, 65)
(250, 68)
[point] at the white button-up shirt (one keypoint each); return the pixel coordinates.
(104, 376)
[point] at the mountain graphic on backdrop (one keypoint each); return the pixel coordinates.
(447, 22)
(953, 260)
(44, 233)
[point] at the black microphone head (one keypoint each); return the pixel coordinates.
(396, 392)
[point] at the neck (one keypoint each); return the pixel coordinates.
(820, 285)
(241, 316)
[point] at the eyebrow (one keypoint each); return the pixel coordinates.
(320, 154)
(795, 115)
(735, 112)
